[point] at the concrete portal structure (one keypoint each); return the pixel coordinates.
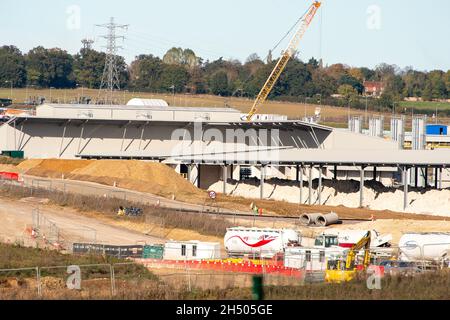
(213, 144)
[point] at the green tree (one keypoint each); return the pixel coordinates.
(218, 84)
(348, 93)
(12, 67)
(145, 73)
(395, 86)
(437, 83)
(50, 68)
(352, 81)
(173, 75)
(88, 68)
(386, 101)
(415, 82)
(179, 56)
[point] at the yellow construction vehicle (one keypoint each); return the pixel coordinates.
(346, 270)
(282, 63)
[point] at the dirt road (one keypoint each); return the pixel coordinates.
(15, 216)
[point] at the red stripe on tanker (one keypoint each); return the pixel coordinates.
(266, 243)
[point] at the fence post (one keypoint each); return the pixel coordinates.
(38, 281)
(113, 280)
(188, 275)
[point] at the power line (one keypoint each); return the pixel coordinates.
(110, 77)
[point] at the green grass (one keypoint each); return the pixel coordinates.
(14, 256)
(9, 160)
(425, 105)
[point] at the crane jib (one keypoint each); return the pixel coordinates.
(282, 63)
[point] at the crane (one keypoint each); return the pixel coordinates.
(337, 271)
(284, 59)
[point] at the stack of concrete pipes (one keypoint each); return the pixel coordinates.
(319, 219)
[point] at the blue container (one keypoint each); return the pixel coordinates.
(437, 129)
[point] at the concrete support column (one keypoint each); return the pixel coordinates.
(263, 175)
(426, 177)
(319, 189)
(436, 178)
(198, 175)
(189, 172)
(298, 173)
(361, 187)
(335, 173)
(375, 173)
(405, 188)
(225, 176)
(301, 184)
(310, 185)
(440, 178)
(416, 177)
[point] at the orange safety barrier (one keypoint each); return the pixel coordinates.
(222, 266)
(9, 176)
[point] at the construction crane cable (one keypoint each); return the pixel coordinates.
(275, 47)
(289, 32)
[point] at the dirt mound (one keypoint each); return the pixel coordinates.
(53, 168)
(155, 178)
(28, 164)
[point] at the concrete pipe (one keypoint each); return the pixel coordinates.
(308, 218)
(324, 220)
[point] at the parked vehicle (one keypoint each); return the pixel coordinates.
(257, 242)
(395, 267)
(130, 212)
(432, 246)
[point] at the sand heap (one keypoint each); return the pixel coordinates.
(142, 176)
(155, 178)
(53, 168)
(345, 193)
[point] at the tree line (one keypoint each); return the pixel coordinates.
(182, 71)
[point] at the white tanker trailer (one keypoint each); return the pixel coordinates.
(425, 246)
(257, 242)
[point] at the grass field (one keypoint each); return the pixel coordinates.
(425, 105)
(333, 116)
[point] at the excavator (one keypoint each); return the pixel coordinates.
(345, 270)
(284, 59)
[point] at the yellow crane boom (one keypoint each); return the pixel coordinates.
(284, 59)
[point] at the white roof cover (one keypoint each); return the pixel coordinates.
(147, 102)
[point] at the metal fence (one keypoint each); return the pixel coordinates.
(120, 280)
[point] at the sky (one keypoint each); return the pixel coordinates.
(354, 32)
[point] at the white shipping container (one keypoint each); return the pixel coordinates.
(314, 259)
(191, 250)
